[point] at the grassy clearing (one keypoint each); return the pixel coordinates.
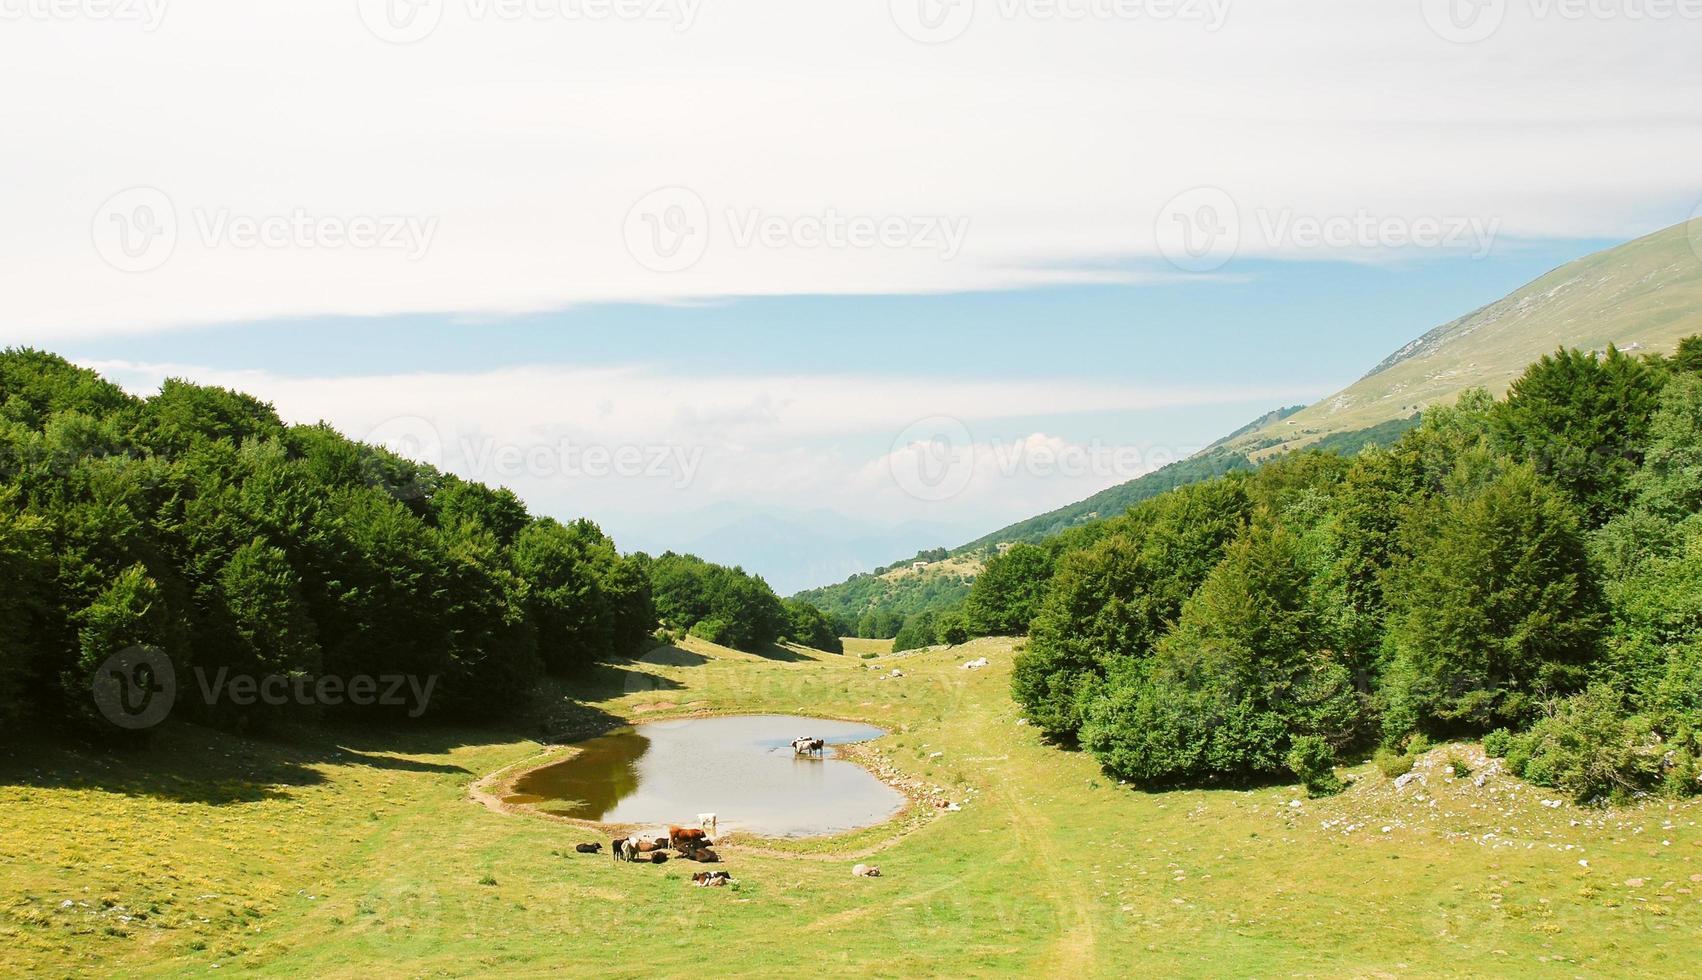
(856, 646)
(355, 851)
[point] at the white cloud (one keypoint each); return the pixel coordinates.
(632, 441)
(1057, 142)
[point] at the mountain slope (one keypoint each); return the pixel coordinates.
(1645, 295)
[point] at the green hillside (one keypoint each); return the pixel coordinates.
(1642, 296)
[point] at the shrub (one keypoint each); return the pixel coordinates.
(714, 630)
(1590, 748)
(1312, 759)
(1496, 743)
(953, 629)
(1461, 768)
(1393, 764)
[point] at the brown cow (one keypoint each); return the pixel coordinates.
(682, 838)
(701, 854)
(710, 879)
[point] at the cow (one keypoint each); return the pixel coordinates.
(702, 855)
(806, 745)
(866, 871)
(710, 879)
(706, 821)
(617, 849)
(688, 836)
(588, 848)
(646, 846)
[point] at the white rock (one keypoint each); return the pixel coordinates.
(1402, 782)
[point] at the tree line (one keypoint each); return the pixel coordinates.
(1527, 570)
(196, 523)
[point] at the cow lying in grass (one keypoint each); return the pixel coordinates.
(588, 848)
(710, 879)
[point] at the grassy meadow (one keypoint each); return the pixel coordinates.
(354, 852)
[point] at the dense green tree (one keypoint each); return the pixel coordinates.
(1583, 421)
(1108, 605)
(919, 630)
(740, 610)
(1007, 592)
(1234, 683)
(1496, 606)
(809, 626)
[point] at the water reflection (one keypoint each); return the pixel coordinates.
(741, 768)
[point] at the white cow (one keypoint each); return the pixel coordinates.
(707, 822)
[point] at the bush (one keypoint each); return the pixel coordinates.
(1589, 748)
(1496, 743)
(1393, 764)
(717, 631)
(1312, 759)
(1460, 767)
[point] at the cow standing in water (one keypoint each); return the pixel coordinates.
(807, 746)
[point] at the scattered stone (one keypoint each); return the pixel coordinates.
(1402, 782)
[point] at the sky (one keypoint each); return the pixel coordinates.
(811, 286)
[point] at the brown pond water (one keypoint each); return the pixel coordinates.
(740, 768)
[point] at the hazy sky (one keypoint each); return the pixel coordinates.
(653, 259)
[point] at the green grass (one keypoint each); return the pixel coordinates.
(355, 853)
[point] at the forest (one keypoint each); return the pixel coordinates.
(196, 523)
(1525, 570)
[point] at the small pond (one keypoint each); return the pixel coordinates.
(740, 768)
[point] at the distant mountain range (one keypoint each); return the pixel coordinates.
(1643, 296)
